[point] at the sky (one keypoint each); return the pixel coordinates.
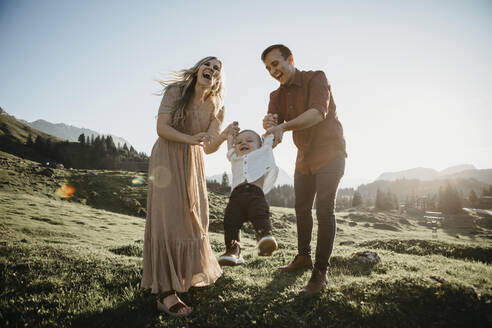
(412, 80)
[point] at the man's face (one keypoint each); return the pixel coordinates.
(280, 69)
(246, 142)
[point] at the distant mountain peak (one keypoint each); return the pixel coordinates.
(422, 173)
(70, 132)
(457, 169)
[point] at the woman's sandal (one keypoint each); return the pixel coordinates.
(174, 309)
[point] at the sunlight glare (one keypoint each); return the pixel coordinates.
(65, 191)
(161, 176)
(138, 181)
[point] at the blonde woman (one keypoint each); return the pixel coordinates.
(177, 252)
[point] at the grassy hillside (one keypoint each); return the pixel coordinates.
(77, 263)
(14, 135)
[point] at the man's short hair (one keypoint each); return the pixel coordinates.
(286, 53)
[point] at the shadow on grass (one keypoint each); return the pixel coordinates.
(351, 266)
(281, 281)
(134, 249)
(233, 301)
(140, 311)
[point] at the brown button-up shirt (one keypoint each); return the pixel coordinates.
(319, 144)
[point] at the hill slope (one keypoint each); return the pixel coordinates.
(20, 139)
(14, 136)
(66, 264)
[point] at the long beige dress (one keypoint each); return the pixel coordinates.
(177, 253)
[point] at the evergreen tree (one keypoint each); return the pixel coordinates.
(387, 201)
(39, 144)
(356, 199)
(225, 182)
(82, 139)
(473, 199)
(379, 204)
(394, 200)
(440, 198)
(110, 146)
(29, 141)
(283, 196)
(450, 201)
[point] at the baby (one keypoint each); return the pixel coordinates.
(253, 174)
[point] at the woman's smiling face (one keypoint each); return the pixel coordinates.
(209, 72)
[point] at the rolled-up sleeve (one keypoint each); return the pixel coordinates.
(319, 93)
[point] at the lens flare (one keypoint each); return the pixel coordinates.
(138, 181)
(65, 191)
(161, 176)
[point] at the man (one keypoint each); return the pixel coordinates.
(304, 104)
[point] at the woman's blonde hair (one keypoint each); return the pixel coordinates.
(185, 80)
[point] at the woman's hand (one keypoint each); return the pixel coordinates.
(232, 128)
(199, 138)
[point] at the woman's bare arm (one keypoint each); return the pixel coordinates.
(216, 138)
(166, 131)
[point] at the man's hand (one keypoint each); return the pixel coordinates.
(278, 133)
(270, 120)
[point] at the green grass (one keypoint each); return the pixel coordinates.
(66, 264)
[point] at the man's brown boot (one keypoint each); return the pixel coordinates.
(316, 283)
(299, 262)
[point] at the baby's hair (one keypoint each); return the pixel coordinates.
(260, 140)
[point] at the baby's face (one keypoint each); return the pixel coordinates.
(246, 142)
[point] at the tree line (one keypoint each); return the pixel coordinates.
(282, 196)
(89, 152)
(447, 200)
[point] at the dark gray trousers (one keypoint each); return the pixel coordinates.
(323, 184)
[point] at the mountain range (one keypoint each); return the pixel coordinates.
(464, 171)
(14, 134)
(69, 132)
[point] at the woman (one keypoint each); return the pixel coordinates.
(177, 252)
